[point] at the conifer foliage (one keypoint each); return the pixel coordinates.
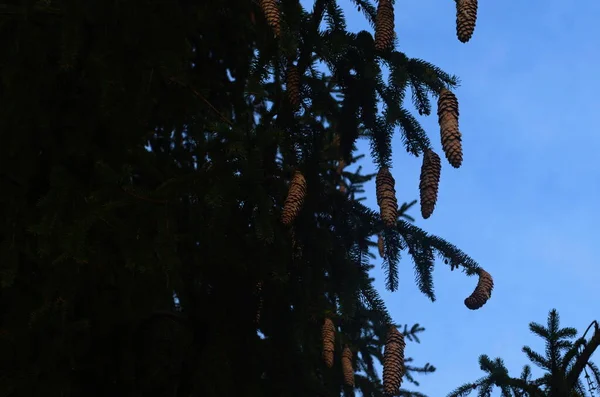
(567, 365)
(173, 222)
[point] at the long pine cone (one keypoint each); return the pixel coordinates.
(328, 338)
(293, 85)
(466, 18)
(271, 11)
(384, 25)
(393, 361)
(483, 291)
(450, 134)
(295, 199)
(347, 367)
(429, 182)
(386, 197)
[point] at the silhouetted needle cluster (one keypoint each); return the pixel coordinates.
(482, 292)
(386, 197)
(393, 361)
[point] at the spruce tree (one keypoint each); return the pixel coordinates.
(195, 149)
(567, 365)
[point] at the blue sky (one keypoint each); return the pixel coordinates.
(524, 202)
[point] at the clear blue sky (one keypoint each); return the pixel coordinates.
(524, 203)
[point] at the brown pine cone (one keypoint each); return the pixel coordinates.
(328, 338)
(293, 85)
(483, 291)
(429, 183)
(450, 134)
(466, 18)
(386, 197)
(384, 25)
(295, 199)
(347, 367)
(271, 10)
(393, 361)
(381, 246)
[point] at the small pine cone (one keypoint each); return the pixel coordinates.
(381, 246)
(347, 367)
(393, 361)
(482, 292)
(328, 337)
(293, 85)
(429, 183)
(271, 10)
(386, 197)
(450, 134)
(384, 25)
(260, 301)
(466, 18)
(295, 199)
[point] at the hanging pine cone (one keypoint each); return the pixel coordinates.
(260, 301)
(450, 134)
(384, 25)
(271, 10)
(381, 246)
(328, 337)
(293, 85)
(347, 367)
(393, 361)
(466, 17)
(295, 199)
(483, 291)
(386, 197)
(429, 183)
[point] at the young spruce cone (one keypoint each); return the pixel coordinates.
(448, 120)
(482, 292)
(466, 17)
(384, 25)
(347, 367)
(293, 85)
(295, 199)
(386, 197)
(430, 180)
(381, 246)
(271, 10)
(328, 336)
(393, 361)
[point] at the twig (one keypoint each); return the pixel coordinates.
(197, 94)
(155, 201)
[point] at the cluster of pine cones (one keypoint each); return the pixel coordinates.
(393, 357)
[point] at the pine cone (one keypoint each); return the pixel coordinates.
(384, 25)
(328, 337)
(295, 199)
(347, 367)
(430, 180)
(386, 197)
(381, 246)
(483, 291)
(393, 361)
(260, 301)
(293, 85)
(466, 18)
(271, 10)
(450, 134)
